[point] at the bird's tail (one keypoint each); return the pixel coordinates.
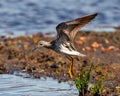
(82, 55)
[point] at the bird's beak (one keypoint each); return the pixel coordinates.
(35, 48)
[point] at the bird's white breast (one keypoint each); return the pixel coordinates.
(65, 50)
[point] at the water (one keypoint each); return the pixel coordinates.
(11, 85)
(23, 17)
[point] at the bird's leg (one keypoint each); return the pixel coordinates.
(71, 66)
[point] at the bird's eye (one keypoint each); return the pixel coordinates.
(40, 44)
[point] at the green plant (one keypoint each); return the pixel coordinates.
(82, 81)
(96, 88)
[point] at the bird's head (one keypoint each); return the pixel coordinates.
(43, 44)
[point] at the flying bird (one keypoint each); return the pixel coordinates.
(66, 33)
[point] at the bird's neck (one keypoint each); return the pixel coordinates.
(48, 45)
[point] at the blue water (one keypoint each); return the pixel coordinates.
(23, 17)
(11, 85)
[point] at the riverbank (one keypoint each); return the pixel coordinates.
(102, 50)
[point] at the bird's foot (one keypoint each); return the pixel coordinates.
(71, 74)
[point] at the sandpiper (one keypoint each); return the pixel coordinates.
(66, 32)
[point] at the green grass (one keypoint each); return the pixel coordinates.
(96, 88)
(82, 83)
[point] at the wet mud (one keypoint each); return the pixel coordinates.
(102, 50)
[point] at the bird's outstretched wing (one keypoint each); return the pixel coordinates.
(70, 28)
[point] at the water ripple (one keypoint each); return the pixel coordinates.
(30, 16)
(12, 85)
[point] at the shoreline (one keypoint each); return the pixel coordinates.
(102, 49)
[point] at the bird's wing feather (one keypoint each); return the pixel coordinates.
(70, 28)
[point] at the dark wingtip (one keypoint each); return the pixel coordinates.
(95, 14)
